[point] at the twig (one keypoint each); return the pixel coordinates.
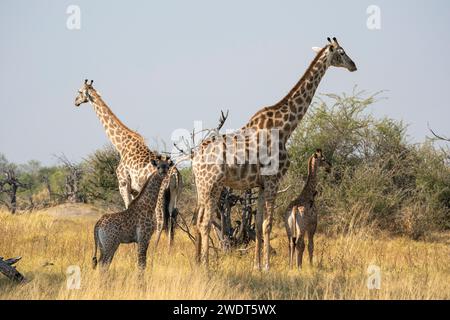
(438, 136)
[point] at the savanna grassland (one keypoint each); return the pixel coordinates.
(385, 203)
(49, 243)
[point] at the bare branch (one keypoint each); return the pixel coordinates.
(222, 119)
(442, 138)
(284, 190)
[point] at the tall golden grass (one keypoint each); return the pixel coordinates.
(49, 244)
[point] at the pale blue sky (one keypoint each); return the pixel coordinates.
(162, 65)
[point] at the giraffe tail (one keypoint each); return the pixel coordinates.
(94, 258)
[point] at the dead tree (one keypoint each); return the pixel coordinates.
(9, 270)
(10, 185)
(241, 232)
(73, 178)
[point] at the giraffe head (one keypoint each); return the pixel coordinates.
(84, 94)
(318, 160)
(162, 164)
(336, 55)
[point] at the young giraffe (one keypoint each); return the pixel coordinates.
(134, 225)
(135, 166)
(212, 171)
(301, 215)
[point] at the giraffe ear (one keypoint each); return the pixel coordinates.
(154, 163)
(316, 49)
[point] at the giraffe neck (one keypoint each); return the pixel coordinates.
(300, 97)
(117, 132)
(311, 182)
(286, 114)
(148, 194)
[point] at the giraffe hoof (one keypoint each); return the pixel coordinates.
(266, 268)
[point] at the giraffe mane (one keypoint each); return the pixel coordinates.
(132, 132)
(294, 89)
(302, 79)
(116, 119)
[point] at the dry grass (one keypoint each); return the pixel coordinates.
(410, 270)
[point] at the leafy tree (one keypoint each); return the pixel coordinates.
(99, 182)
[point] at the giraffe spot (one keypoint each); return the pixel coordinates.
(278, 123)
(299, 100)
(293, 108)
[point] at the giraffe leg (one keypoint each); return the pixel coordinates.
(205, 227)
(291, 251)
(175, 188)
(300, 247)
(142, 253)
(310, 247)
(124, 184)
(204, 221)
(107, 255)
(157, 236)
(267, 227)
(198, 236)
(258, 229)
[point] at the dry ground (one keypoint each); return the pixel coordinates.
(410, 270)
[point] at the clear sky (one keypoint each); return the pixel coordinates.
(161, 65)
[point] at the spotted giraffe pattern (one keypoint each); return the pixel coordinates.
(134, 167)
(301, 214)
(134, 225)
(211, 175)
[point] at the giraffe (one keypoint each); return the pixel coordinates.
(134, 225)
(214, 167)
(135, 165)
(166, 219)
(301, 215)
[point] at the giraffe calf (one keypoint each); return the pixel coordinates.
(301, 214)
(134, 225)
(302, 220)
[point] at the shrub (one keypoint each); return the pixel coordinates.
(379, 180)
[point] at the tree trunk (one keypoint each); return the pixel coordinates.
(13, 196)
(8, 269)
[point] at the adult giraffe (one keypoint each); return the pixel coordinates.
(135, 166)
(229, 160)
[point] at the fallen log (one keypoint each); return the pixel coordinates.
(9, 270)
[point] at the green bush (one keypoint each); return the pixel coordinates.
(99, 181)
(379, 180)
